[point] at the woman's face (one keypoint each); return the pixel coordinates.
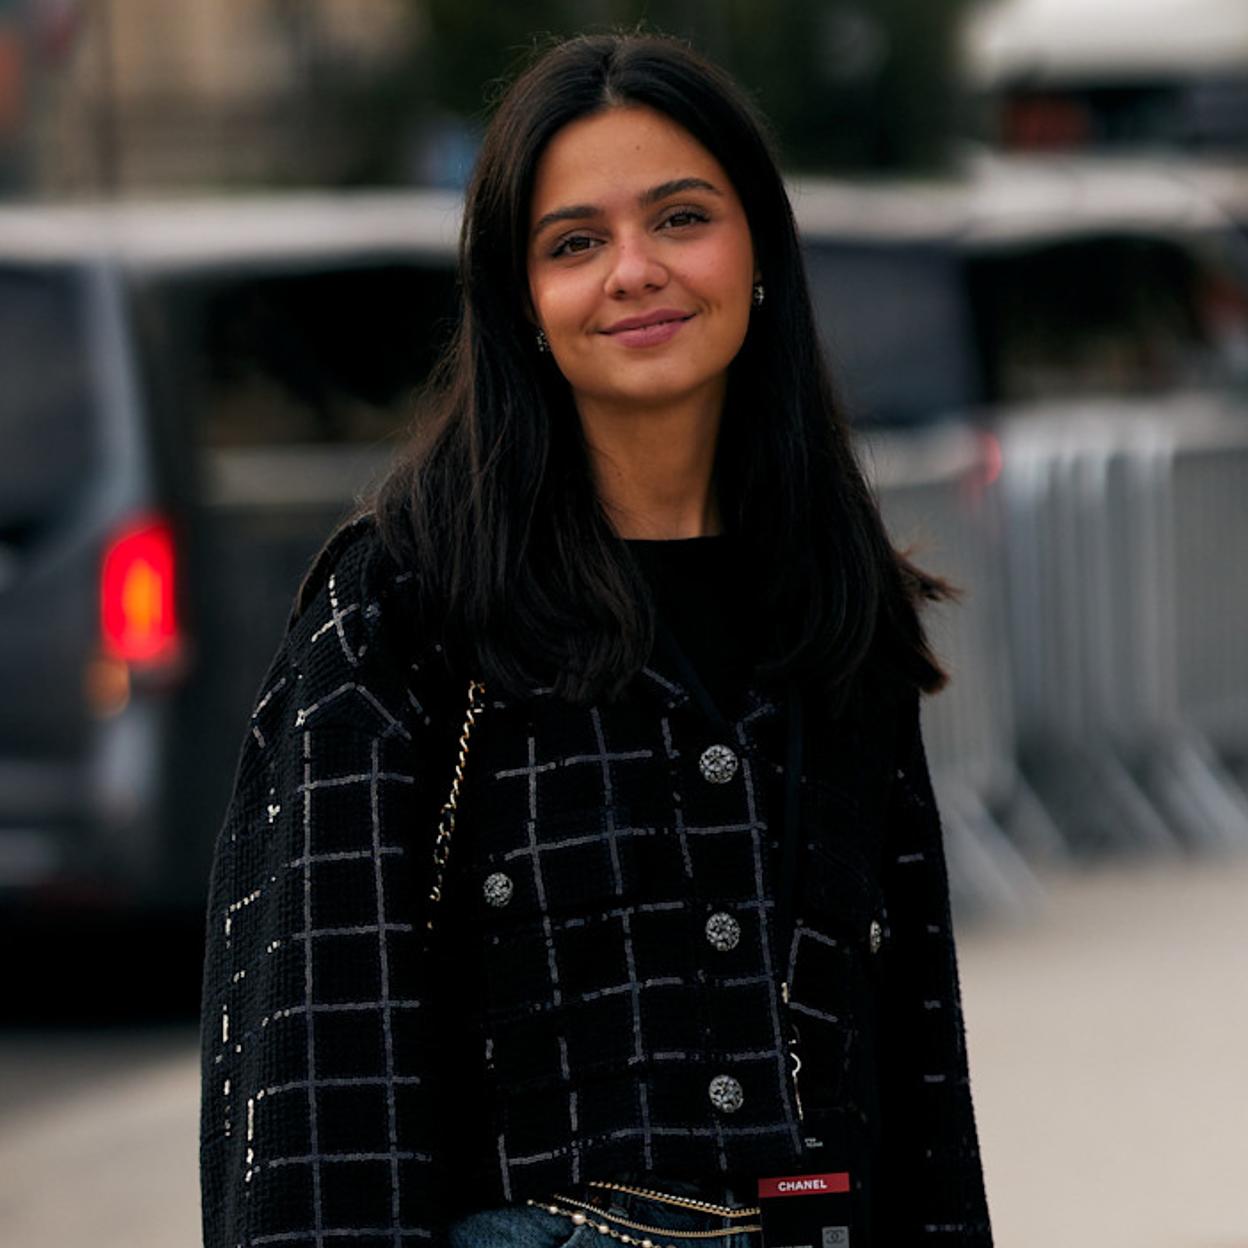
(640, 262)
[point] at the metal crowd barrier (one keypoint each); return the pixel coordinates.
(939, 496)
(1099, 656)
(1125, 538)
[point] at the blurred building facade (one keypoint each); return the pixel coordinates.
(116, 94)
(127, 96)
(121, 96)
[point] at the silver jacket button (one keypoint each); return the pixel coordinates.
(723, 931)
(718, 764)
(498, 889)
(726, 1094)
(875, 936)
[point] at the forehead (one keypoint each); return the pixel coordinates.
(616, 154)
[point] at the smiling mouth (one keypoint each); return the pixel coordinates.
(649, 325)
(654, 334)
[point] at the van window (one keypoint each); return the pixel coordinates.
(1107, 315)
(330, 354)
(48, 439)
(896, 328)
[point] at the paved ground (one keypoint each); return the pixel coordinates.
(1109, 1051)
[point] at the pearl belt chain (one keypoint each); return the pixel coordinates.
(686, 1202)
(638, 1233)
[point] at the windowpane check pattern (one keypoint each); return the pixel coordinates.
(579, 1014)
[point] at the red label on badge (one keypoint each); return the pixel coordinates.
(804, 1184)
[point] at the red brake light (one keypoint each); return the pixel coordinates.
(136, 599)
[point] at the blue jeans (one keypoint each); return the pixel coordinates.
(529, 1226)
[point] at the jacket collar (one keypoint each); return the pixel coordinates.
(660, 685)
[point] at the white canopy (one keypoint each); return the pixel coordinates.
(1105, 40)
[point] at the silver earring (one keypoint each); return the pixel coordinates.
(758, 294)
(542, 344)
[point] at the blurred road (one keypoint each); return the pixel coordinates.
(1110, 1064)
(97, 1139)
(1107, 1043)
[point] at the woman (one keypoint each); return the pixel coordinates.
(682, 924)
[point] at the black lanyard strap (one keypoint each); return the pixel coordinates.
(688, 673)
(791, 851)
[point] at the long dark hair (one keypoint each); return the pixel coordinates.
(492, 503)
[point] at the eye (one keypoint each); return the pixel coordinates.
(572, 245)
(684, 217)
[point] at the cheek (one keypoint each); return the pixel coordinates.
(724, 275)
(562, 304)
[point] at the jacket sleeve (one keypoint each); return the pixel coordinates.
(315, 1121)
(931, 1182)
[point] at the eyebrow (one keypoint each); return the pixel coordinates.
(579, 212)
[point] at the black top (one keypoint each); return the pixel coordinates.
(702, 592)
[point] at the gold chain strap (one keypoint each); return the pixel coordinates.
(446, 820)
(685, 1202)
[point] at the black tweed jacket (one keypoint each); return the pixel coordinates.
(603, 995)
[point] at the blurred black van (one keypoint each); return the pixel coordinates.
(193, 396)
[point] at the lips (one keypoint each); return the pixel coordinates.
(659, 316)
(649, 330)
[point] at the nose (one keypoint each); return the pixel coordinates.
(637, 268)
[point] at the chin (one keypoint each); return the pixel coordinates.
(650, 384)
(645, 395)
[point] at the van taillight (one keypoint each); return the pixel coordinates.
(136, 594)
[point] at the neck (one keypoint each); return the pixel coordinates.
(654, 467)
